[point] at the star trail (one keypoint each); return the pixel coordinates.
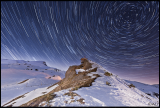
(121, 36)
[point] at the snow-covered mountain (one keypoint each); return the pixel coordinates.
(152, 90)
(87, 84)
(19, 77)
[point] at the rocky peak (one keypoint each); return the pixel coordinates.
(78, 80)
(71, 80)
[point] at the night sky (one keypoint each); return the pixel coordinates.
(123, 37)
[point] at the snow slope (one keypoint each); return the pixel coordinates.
(117, 93)
(39, 75)
(148, 89)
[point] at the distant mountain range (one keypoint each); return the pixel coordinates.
(33, 83)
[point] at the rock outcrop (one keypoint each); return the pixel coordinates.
(71, 80)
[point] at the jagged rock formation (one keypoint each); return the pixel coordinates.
(71, 80)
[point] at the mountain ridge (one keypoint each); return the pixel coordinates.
(88, 84)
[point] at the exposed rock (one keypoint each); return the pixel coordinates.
(23, 81)
(85, 64)
(50, 96)
(56, 70)
(107, 83)
(9, 105)
(156, 94)
(108, 74)
(83, 59)
(97, 75)
(81, 101)
(148, 94)
(65, 102)
(77, 80)
(45, 63)
(36, 103)
(131, 85)
(72, 97)
(14, 100)
(42, 104)
(44, 92)
(52, 85)
(71, 94)
(71, 80)
(148, 98)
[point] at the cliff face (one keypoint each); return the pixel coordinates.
(71, 80)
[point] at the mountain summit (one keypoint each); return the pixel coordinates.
(87, 84)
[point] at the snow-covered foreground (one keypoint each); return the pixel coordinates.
(14, 72)
(100, 94)
(117, 93)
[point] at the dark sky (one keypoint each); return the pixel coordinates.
(123, 37)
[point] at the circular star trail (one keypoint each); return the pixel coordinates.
(121, 36)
